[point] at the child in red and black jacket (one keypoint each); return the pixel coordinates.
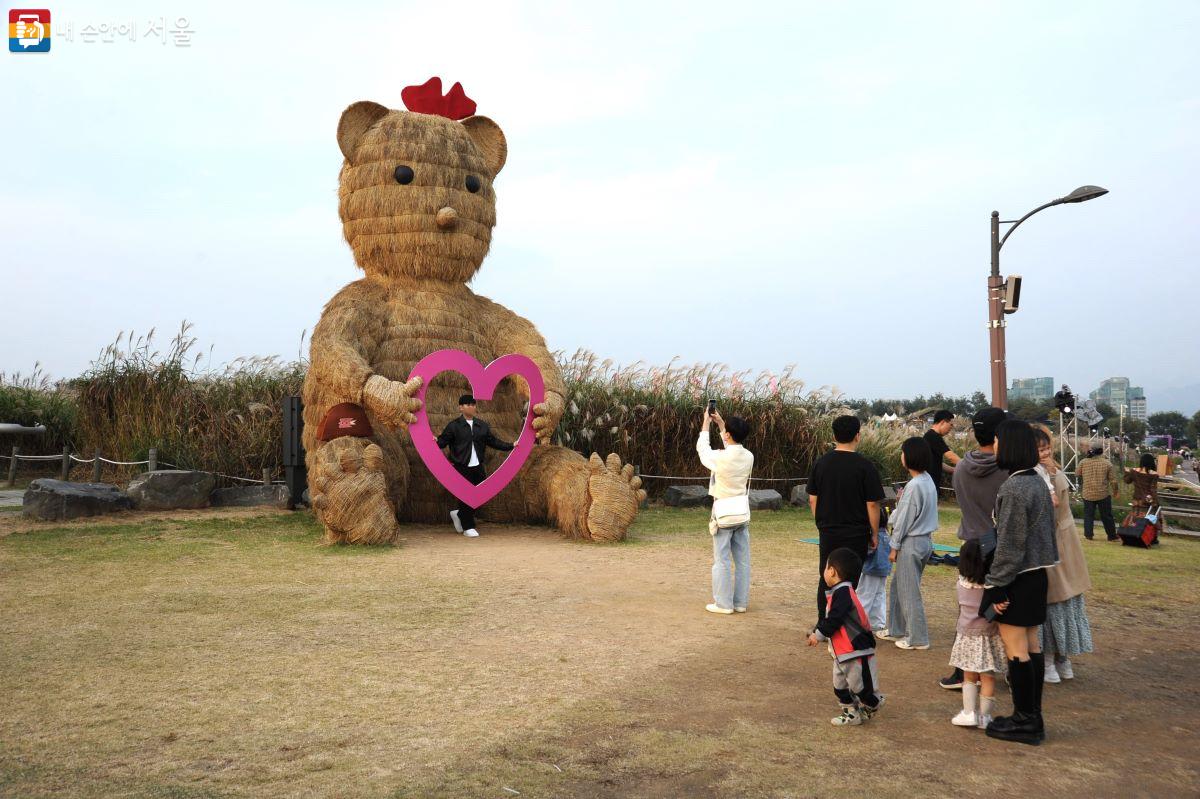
(848, 631)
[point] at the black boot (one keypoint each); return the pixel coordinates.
(1038, 659)
(1015, 686)
(1021, 726)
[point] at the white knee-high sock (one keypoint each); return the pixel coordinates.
(986, 704)
(970, 693)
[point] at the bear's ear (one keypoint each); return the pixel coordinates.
(490, 140)
(355, 122)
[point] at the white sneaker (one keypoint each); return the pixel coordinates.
(850, 717)
(713, 607)
(904, 644)
(984, 721)
(1051, 675)
(885, 635)
(455, 521)
(472, 533)
(739, 610)
(1065, 669)
(965, 718)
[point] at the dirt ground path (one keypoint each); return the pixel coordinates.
(519, 661)
(745, 705)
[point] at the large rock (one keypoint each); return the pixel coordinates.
(692, 496)
(799, 495)
(171, 489)
(54, 500)
(275, 496)
(765, 499)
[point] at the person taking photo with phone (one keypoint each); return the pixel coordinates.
(729, 486)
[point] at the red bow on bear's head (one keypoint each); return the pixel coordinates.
(427, 99)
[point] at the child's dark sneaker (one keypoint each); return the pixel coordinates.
(850, 717)
(953, 682)
(868, 712)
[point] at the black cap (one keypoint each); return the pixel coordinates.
(466, 399)
(985, 421)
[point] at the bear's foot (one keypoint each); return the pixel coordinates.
(350, 493)
(614, 494)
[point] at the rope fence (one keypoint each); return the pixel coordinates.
(752, 479)
(68, 457)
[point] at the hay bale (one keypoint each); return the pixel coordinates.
(57, 500)
(417, 202)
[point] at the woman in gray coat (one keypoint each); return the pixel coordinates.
(1016, 584)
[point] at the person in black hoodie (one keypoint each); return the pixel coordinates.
(468, 439)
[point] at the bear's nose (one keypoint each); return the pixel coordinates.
(447, 218)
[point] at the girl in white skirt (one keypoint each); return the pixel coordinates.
(977, 649)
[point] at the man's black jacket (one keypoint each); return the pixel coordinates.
(460, 437)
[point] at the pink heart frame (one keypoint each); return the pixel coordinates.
(483, 380)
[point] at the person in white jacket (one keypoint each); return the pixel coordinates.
(730, 467)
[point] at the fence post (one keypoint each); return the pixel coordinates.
(153, 459)
(12, 466)
(96, 468)
(66, 467)
(266, 476)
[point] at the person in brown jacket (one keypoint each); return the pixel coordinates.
(1067, 631)
(1145, 485)
(1098, 486)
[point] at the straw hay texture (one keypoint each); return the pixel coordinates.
(420, 236)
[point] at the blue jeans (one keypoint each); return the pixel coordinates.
(731, 550)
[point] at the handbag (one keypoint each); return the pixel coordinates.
(731, 511)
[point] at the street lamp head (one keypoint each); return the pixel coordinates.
(1084, 193)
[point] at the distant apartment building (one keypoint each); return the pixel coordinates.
(1036, 389)
(1117, 392)
(1137, 405)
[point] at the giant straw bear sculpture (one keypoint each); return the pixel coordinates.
(417, 204)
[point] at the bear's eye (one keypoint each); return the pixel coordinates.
(473, 184)
(404, 175)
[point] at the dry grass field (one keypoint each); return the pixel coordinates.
(215, 654)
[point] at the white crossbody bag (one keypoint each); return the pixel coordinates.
(732, 511)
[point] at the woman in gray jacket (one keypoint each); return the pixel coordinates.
(913, 524)
(1015, 590)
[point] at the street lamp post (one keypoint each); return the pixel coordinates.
(996, 289)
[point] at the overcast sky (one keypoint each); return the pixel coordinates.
(753, 183)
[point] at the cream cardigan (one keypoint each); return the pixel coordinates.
(730, 467)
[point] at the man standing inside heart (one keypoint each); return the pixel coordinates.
(468, 439)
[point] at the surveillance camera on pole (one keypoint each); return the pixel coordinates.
(1012, 293)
